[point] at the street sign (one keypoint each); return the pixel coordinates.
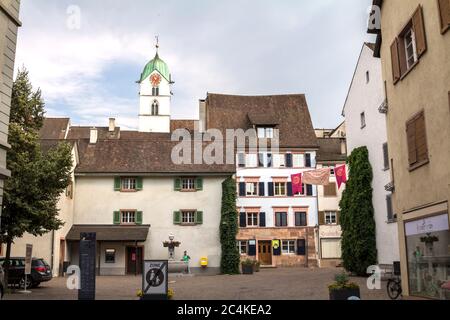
(87, 266)
(28, 258)
(155, 282)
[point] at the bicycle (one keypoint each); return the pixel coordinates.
(394, 285)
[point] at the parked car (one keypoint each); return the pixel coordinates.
(2, 283)
(40, 272)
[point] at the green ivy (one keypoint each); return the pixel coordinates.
(357, 215)
(230, 259)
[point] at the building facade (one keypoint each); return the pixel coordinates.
(414, 46)
(366, 126)
(331, 154)
(9, 24)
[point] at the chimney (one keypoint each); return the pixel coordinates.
(112, 124)
(93, 136)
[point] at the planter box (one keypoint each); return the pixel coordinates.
(344, 294)
(247, 269)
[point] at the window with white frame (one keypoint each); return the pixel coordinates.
(330, 217)
(128, 184)
(251, 160)
(279, 189)
(265, 133)
(298, 160)
(410, 48)
(279, 160)
(188, 217)
(251, 188)
(188, 184)
(128, 217)
(242, 247)
(288, 246)
(252, 219)
(363, 120)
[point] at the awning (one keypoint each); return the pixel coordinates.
(110, 233)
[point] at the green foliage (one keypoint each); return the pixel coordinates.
(357, 216)
(229, 263)
(342, 282)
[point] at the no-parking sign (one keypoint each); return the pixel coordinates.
(155, 282)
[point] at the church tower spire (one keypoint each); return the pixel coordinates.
(155, 96)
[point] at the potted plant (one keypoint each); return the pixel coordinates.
(343, 289)
(257, 266)
(247, 266)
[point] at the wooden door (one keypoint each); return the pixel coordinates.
(134, 260)
(265, 252)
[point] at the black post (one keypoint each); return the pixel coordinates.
(88, 254)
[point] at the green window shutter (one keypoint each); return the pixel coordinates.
(117, 182)
(177, 217)
(139, 217)
(139, 184)
(116, 217)
(177, 184)
(199, 217)
(199, 184)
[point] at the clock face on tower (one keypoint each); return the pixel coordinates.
(155, 79)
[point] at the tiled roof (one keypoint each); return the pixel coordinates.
(330, 150)
(289, 113)
(54, 128)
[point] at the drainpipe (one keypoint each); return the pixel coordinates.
(52, 264)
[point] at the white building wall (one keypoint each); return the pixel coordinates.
(367, 97)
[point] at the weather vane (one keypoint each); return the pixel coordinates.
(157, 43)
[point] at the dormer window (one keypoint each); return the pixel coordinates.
(155, 108)
(265, 133)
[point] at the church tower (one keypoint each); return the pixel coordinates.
(155, 96)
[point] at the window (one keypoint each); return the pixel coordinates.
(128, 217)
(301, 219)
(251, 160)
(242, 247)
(279, 160)
(252, 219)
(390, 212)
(417, 141)
(241, 160)
(110, 256)
(265, 133)
(363, 120)
(155, 108)
(386, 156)
(128, 184)
(155, 92)
(281, 219)
(69, 190)
(330, 217)
(444, 12)
(261, 160)
(188, 217)
(288, 246)
(188, 184)
(367, 76)
(280, 189)
(331, 167)
(298, 160)
(330, 190)
(410, 48)
(251, 188)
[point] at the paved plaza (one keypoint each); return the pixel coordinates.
(269, 284)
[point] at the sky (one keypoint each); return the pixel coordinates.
(86, 55)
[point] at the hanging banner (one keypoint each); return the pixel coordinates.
(319, 177)
(297, 187)
(341, 175)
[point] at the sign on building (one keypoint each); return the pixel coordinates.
(155, 282)
(28, 258)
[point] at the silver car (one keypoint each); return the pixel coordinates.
(2, 282)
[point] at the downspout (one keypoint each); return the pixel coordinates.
(52, 263)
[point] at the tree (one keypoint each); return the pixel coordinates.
(37, 178)
(229, 263)
(357, 216)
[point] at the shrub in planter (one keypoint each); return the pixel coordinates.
(257, 266)
(247, 266)
(342, 289)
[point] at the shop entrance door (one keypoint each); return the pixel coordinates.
(265, 252)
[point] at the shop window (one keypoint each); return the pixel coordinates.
(110, 256)
(288, 246)
(427, 243)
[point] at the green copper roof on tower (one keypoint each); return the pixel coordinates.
(158, 65)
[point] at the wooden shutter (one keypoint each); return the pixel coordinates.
(199, 184)
(177, 217)
(243, 220)
(262, 192)
(139, 217)
(330, 190)
(117, 182)
(444, 10)
(321, 218)
(419, 30)
(396, 72)
(301, 247)
(242, 191)
(262, 219)
(271, 190)
(177, 184)
(411, 136)
(338, 216)
(390, 212)
(139, 183)
(116, 217)
(289, 163)
(289, 189)
(198, 217)
(421, 139)
(309, 190)
(308, 160)
(252, 249)
(386, 156)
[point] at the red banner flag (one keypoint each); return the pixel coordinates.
(297, 187)
(341, 175)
